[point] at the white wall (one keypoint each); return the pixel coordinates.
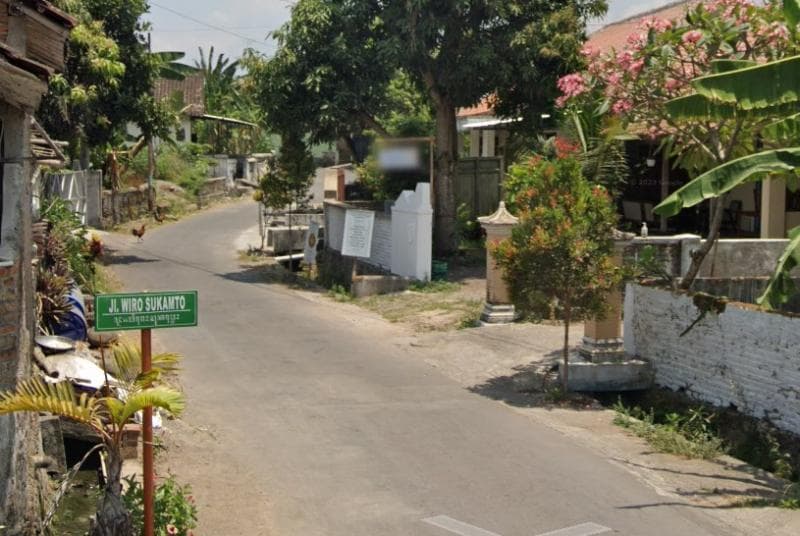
(744, 357)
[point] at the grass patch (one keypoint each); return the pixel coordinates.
(431, 287)
(688, 435)
(439, 307)
(340, 294)
(105, 280)
(789, 500)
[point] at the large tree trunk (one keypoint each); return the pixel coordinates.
(698, 256)
(445, 237)
(112, 519)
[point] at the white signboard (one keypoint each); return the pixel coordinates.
(405, 158)
(310, 246)
(358, 226)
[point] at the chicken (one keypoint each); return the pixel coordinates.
(139, 233)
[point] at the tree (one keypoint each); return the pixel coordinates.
(107, 82)
(641, 82)
(219, 75)
(753, 92)
(561, 250)
(335, 59)
(106, 415)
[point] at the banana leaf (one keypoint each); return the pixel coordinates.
(696, 106)
(726, 66)
(781, 287)
(761, 87)
(724, 178)
(791, 11)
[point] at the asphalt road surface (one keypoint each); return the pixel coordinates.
(305, 421)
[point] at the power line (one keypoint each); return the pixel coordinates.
(213, 27)
(241, 28)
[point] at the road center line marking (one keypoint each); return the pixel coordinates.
(584, 529)
(457, 527)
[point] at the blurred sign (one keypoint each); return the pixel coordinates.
(400, 158)
(358, 226)
(311, 241)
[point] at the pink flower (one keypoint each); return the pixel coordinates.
(572, 85)
(590, 51)
(172, 530)
(671, 84)
(637, 66)
(692, 37)
(621, 107)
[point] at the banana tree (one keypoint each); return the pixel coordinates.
(106, 416)
(769, 92)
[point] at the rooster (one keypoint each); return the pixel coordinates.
(139, 233)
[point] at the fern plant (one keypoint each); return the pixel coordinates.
(106, 415)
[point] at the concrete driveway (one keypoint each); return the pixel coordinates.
(306, 418)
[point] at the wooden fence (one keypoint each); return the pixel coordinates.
(478, 183)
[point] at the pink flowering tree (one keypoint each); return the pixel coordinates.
(639, 84)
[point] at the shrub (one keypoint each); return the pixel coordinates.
(175, 511)
(560, 253)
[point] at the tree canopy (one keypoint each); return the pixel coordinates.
(336, 59)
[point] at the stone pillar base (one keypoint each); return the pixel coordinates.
(498, 314)
(602, 350)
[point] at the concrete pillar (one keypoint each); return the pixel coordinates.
(602, 337)
(773, 208)
(498, 308)
(474, 143)
(488, 143)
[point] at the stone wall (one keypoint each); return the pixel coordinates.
(211, 189)
(124, 206)
(743, 357)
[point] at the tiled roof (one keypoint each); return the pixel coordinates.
(52, 12)
(616, 35)
(190, 89)
(485, 107)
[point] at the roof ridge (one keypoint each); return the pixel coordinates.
(644, 14)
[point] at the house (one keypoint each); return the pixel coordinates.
(33, 34)
(187, 96)
(766, 209)
(486, 135)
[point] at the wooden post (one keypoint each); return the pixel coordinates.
(147, 448)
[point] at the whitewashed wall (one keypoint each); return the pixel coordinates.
(742, 357)
(381, 253)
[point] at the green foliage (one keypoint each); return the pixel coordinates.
(107, 81)
(184, 165)
(469, 229)
(687, 435)
(175, 509)
(340, 293)
(70, 254)
(287, 181)
(219, 75)
(562, 248)
(781, 286)
(429, 287)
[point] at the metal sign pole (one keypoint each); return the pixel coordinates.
(147, 449)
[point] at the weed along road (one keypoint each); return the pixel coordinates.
(308, 418)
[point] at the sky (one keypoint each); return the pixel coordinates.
(246, 23)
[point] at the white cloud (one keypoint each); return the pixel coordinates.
(251, 20)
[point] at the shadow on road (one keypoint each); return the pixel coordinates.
(535, 385)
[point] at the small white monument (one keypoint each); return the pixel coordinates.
(412, 233)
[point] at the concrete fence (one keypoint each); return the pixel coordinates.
(736, 268)
(743, 357)
(81, 189)
(381, 256)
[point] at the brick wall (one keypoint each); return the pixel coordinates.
(743, 357)
(9, 315)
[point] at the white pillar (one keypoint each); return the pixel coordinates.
(474, 143)
(488, 143)
(773, 208)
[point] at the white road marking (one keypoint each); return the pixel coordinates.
(457, 527)
(584, 529)
(465, 529)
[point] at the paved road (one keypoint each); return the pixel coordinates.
(305, 421)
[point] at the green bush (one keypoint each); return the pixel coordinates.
(184, 165)
(175, 511)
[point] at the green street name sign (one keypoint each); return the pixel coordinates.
(145, 310)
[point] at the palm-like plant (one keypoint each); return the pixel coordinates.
(106, 415)
(219, 74)
(169, 65)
